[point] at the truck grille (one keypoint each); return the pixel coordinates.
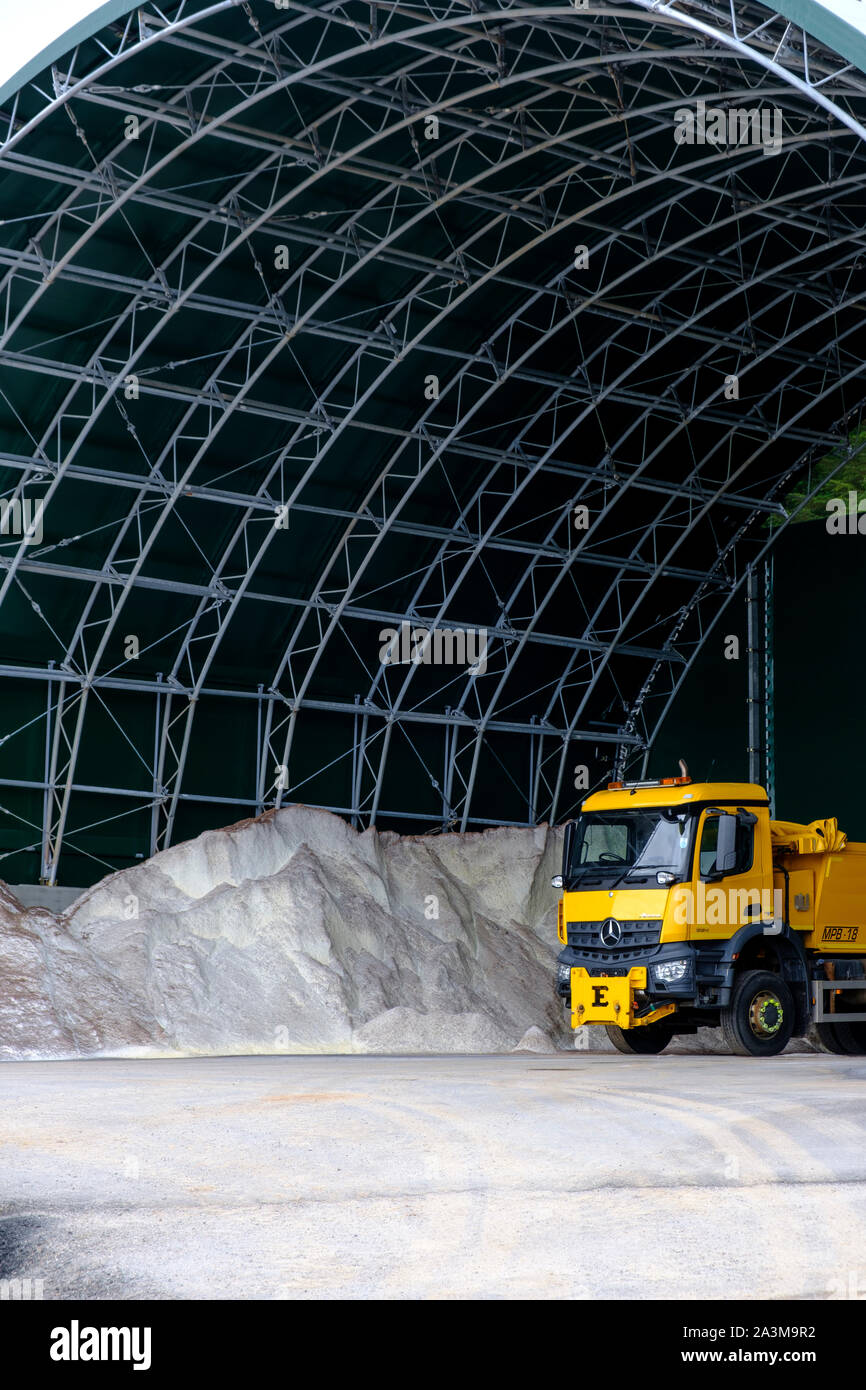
(636, 935)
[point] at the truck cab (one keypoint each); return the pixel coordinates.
(677, 912)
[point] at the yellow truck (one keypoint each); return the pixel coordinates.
(684, 905)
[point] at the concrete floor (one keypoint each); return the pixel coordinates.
(570, 1175)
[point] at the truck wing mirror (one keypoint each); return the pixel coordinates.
(726, 849)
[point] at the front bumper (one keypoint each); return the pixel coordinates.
(634, 992)
(570, 959)
(621, 1000)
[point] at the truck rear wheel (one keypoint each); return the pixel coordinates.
(851, 1037)
(829, 1039)
(650, 1039)
(759, 1021)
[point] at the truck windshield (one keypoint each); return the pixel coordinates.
(610, 846)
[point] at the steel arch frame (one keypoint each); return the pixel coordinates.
(522, 251)
(73, 746)
(82, 695)
(576, 554)
(662, 563)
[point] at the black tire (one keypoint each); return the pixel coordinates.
(759, 1021)
(829, 1039)
(646, 1041)
(851, 1037)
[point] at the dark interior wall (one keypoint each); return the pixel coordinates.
(820, 677)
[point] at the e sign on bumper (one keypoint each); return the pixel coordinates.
(605, 998)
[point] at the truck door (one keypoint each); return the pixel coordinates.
(731, 884)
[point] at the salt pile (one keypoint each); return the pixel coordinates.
(295, 933)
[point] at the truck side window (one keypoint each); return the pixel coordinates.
(709, 844)
(745, 846)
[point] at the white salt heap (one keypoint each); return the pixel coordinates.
(295, 933)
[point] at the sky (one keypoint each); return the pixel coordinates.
(27, 26)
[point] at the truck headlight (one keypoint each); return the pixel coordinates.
(669, 972)
(563, 973)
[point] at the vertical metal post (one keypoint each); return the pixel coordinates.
(358, 772)
(769, 688)
(356, 764)
(536, 784)
(46, 795)
(259, 806)
(161, 841)
(49, 869)
(530, 800)
(154, 808)
(755, 696)
(448, 769)
(266, 744)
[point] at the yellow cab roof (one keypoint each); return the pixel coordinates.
(682, 795)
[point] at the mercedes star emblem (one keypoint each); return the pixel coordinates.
(611, 932)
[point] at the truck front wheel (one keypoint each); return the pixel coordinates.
(759, 1021)
(649, 1039)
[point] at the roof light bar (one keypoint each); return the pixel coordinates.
(653, 782)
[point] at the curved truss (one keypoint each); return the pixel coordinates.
(410, 381)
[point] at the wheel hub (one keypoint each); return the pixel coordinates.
(765, 1015)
